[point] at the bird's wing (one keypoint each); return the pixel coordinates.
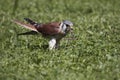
(49, 28)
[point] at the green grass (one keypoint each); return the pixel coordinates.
(94, 54)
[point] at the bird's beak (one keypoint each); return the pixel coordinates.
(71, 28)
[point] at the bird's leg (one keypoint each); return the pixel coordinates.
(52, 43)
(57, 43)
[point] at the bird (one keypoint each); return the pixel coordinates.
(54, 31)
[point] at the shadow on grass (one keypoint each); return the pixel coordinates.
(28, 33)
(35, 47)
(15, 6)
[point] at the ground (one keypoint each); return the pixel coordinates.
(92, 54)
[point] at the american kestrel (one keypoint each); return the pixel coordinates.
(55, 31)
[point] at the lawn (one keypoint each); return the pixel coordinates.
(93, 54)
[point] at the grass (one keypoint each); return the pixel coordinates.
(93, 55)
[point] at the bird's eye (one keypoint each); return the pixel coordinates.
(67, 25)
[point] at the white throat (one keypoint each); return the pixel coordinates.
(62, 27)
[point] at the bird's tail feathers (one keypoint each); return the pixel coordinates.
(28, 26)
(32, 22)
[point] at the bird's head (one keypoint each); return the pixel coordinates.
(66, 26)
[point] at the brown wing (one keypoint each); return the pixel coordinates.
(28, 26)
(50, 28)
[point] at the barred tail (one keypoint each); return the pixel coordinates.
(32, 22)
